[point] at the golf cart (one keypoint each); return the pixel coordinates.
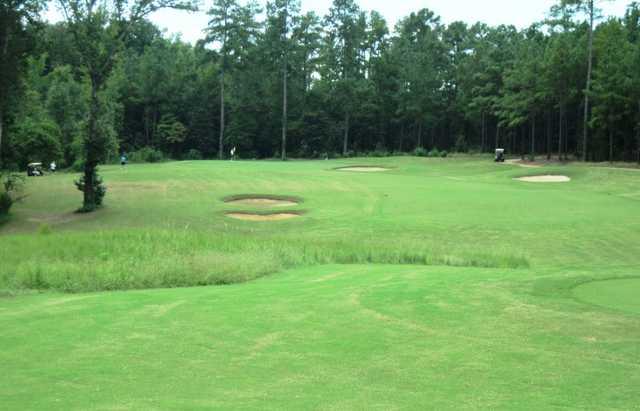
(35, 170)
(499, 155)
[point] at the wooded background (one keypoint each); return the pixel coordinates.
(339, 84)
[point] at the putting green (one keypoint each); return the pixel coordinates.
(621, 295)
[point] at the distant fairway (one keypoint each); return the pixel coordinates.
(437, 284)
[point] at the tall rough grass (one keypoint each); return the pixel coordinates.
(133, 259)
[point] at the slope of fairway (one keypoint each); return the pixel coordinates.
(164, 225)
(332, 337)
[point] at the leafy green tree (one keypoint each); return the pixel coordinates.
(15, 43)
(67, 103)
(172, 132)
(34, 136)
(224, 21)
(613, 77)
(281, 16)
(341, 69)
(422, 59)
(99, 30)
(524, 93)
(589, 7)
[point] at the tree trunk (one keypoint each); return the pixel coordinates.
(497, 136)
(5, 50)
(585, 140)
(533, 138)
(560, 133)
(345, 142)
(1, 129)
(419, 133)
(221, 138)
(284, 111)
(638, 132)
(611, 144)
(154, 127)
(549, 120)
(146, 125)
(91, 160)
(284, 84)
(522, 136)
(483, 133)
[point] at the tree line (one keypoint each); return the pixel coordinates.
(278, 82)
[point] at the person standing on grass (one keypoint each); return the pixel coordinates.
(123, 160)
(233, 153)
(53, 166)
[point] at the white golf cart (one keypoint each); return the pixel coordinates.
(35, 170)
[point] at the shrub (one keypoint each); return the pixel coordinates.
(379, 153)
(11, 184)
(434, 153)
(420, 152)
(44, 229)
(193, 154)
(5, 203)
(444, 154)
(146, 155)
(99, 188)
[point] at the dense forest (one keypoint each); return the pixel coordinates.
(278, 83)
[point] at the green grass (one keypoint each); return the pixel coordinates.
(618, 294)
(442, 283)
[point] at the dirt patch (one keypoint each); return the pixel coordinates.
(364, 169)
(258, 217)
(263, 200)
(545, 179)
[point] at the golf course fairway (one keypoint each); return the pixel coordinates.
(437, 284)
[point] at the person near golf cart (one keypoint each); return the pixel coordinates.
(499, 155)
(53, 167)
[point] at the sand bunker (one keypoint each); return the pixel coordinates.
(262, 217)
(266, 202)
(545, 179)
(364, 169)
(262, 201)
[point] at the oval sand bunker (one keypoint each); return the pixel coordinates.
(545, 179)
(262, 217)
(262, 201)
(617, 294)
(364, 169)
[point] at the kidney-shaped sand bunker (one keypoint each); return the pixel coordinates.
(544, 179)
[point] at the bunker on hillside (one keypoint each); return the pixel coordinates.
(545, 179)
(261, 217)
(263, 200)
(364, 169)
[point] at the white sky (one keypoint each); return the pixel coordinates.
(520, 13)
